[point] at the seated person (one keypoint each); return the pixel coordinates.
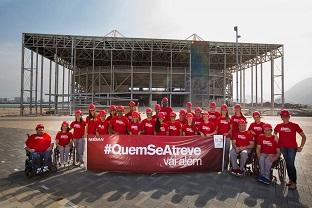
(40, 148)
(64, 141)
(267, 152)
(242, 144)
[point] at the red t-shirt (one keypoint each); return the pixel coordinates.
(197, 121)
(214, 116)
(257, 128)
(119, 124)
(234, 122)
(39, 143)
(163, 129)
(207, 128)
(287, 134)
(174, 128)
(64, 138)
(134, 128)
(243, 139)
(223, 125)
(268, 144)
(167, 111)
(148, 126)
(92, 125)
(79, 129)
(155, 117)
(102, 127)
(129, 116)
(189, 130)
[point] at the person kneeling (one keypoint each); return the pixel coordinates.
(40, 148)
(242, 144)
(267, 152)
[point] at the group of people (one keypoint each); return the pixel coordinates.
(259, 136)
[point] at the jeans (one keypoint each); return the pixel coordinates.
(40, 159)
(243, 158)
(265, 164)
(79, 146)
(227, 152)
(289, 155)
(64, 152)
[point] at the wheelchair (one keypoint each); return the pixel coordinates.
(71, 157)
(29, 169)
(252, 165)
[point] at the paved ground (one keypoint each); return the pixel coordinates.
(78, 188)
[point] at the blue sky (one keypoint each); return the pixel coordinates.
(279, 21)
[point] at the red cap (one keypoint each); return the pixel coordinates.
(189, 104)
(182, 112)
(198, 110)
(224, 107)
(149, 110)
(135, 114)
(284, 113)
(39, 126)
(65, 123)
(91, 106)
(256, 113)
(237, 106)
(131, 103)
(205, 113)
(120, 108)
(157, 107)
(213, 105)
(164, 100)
(242, 121)
(161, 115)
(102, 113)
(267, 126)
(78, 112)
(173, 114)
(112, 107)
(189, 115)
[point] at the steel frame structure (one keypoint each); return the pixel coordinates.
(113, 70)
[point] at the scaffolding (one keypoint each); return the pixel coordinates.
(114, 69)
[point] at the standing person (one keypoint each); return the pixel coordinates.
(189, 128)
(112, 112)
(134, 126)
(64, 142)
(207, 128)
(119, 123)
(40, 147)
(213, 114)
(175, 127)
(286, 132)
(267, 152)
(157, 110)
(198, 119)
(166, 108)
(132, 108)
(256, 127)
(91, 122)
(224, 128)
(182, 117)
(238, 115)
(242, 144)
(161, 127)
(102, 124)
(148, 124)
(78, 136)
(189, 106)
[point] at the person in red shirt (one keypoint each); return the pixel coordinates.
(157, 108)
(112, 112)
(189, 106)
(256, 127)
(134, 127)
(119, 124)
(224, 128)
(175, 127)
(40, 147)
(132, 108)
(235, 118)
(213, 114)
(182, 119)
(198, 119)
(286, 132)
(267, 152)
(64, 141)
(165, 108)
(161, 128)
(91, 122)
(189, 128)
(102, 124)
(78, 136)
(148, 124)
(242, 144)
(207, 128)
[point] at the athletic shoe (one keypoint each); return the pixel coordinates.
(260, 178)
(266, 181)
(45, 169)
(293, 186)
(240, 172)
(38, 170)
(234, 171)
(82, 165)
(66, 164)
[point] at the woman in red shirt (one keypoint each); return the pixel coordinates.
(235, 119)
(207, 128)
(119, 123)
(198, 119)
(91, 122)
(78, 136)
(175, 127)
(134, 127)
(213, 114)
(189, 128)
(182, 119)
(161, 128)
(64, 141)
(157, 110)
(102, 124)
(148, 124)
(256, 127)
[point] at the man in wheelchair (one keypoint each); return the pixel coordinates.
(39, 149)
(267, 152)
(242, 145)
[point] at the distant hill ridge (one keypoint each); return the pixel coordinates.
(300, 93)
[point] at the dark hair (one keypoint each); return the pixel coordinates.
(90, 115)
(80, 120)
(68, 128)
(157, 125)
(227, 115)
